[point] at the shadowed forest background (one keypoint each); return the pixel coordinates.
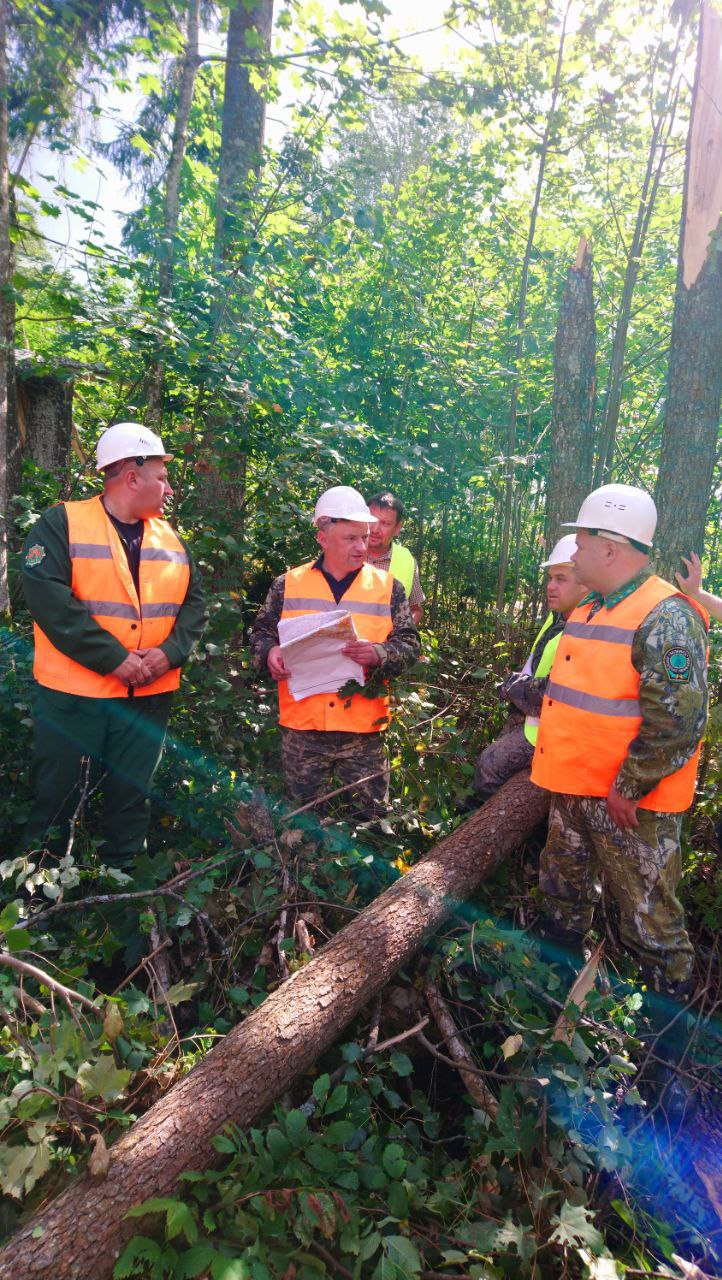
(481, 272)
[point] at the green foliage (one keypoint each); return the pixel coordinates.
(361, 330)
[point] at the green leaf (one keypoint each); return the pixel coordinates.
(338, 1100)
(230, 1269)
(369, 1245)
(322, 1158)
(102, 1079)
(403, 1253)
(139, 141)
(278, 1145)
(340, 1132)
(394, 1160)
(297, 1128)
(181, 991)
(9, 916)
(21, 1166)
(575, 1227)
(17, 939)
(180, 1220)
(402, 1064)
(321, 1087)
(195, 1260)
(398, 1201)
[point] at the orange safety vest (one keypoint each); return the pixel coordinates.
(102, 579)
(583, 735)
(368, 600)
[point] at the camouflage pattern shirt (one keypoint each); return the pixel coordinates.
(399, 650)
(670, 653)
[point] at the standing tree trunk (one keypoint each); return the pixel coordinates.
(242, 136)
(79, 1234)
(521, 321)
(694, 380)
(45, 413)
(244, 120)
(6, 310)
(171, 204)
(572, 430)
(656, 158)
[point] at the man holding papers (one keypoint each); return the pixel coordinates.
(324, 623)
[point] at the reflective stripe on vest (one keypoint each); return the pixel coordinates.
(102, 579)
(591, 710)
(316, 604)
(402, 566)
(531, 723)
(368, 600)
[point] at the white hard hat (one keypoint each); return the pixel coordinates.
(342, 503)
(619, 509)
(128, 440)
(562, 551)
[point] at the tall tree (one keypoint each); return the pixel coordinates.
(694, 382)
(572, 431)
(171, 201)
(6, 305)
(656, 159)
(551, 122)
(244, 118)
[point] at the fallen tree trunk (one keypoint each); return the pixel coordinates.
(79, 1235)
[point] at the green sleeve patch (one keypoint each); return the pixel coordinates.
(678, 664)
(34, 555)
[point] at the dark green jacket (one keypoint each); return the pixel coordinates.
(65, 619)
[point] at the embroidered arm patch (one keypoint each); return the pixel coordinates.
(35, 555)
(678, 665)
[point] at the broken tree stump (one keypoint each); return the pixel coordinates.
(79, 1235)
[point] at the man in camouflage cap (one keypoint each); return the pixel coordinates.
(619, 740)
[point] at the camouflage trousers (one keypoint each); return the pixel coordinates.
(640, 867)
(497, 763)
(315, 762)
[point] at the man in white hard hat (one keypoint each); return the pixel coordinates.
(117, 607)
(386, 552)
(523, 690)
(618, 741)
(324, 734)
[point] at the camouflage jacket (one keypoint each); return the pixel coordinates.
(673, 699)
(399, 650)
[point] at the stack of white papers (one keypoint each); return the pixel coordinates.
(311, 648)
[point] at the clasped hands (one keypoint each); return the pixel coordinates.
(142, 666)
(361, 651)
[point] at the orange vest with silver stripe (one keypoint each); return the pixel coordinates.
(103, 581)
(368, 600)
(584, 735)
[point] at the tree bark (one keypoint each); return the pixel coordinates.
(171, 204)
(79, 1234)
(520, 326)
(656, 159)
(572, 429)
(694, 380)
(6, 310)
(45, 410)
(244, 119)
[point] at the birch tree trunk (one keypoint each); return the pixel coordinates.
(694, 380)
(79, 1235)
(572, 429)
